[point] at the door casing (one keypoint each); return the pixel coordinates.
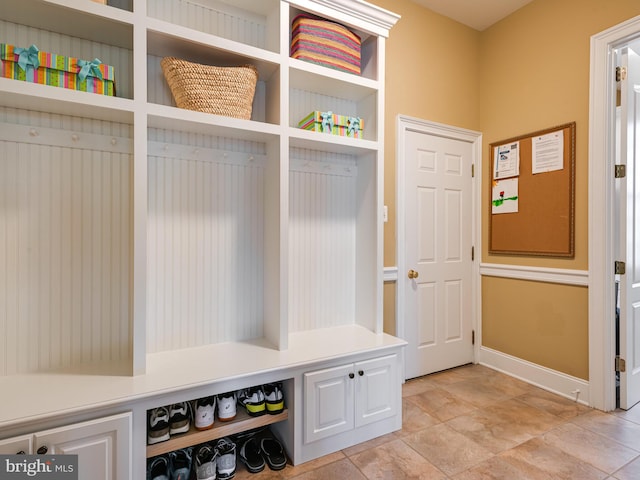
(602, 210)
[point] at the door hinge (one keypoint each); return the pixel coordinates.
(621, 171)
(621, 364)
(620, 268)
(473, 337)
(473, 253)
(473, 170)
(621, 73)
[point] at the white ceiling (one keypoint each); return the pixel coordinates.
(477, 14)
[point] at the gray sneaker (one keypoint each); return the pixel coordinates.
(206, 461)
(226, 458)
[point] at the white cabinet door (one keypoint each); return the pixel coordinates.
(328, 401)
(103, 446)
(11, 446)
(376, 390)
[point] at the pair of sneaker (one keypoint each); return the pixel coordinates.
(162, 422)
(263, 399)
(216, 460)
(205, 410)
(175, 466)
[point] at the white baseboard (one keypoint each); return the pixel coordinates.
(556, 382)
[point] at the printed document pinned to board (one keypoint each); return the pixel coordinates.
(547, 152)
(507, 161)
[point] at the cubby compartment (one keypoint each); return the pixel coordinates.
(208, 200)
(248, 22)
(160, 44)
(241, 423)
(368, 49)
(58, 28)
(332, 239)
(65, 230)
(310, 92)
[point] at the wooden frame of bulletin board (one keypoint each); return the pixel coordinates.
(543, 221)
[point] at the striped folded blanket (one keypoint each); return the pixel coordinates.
(326, 43)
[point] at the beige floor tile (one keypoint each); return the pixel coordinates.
(485, 391)
(552, 403)
(447, 449)
(416, 386)
(612, 426)
(291, 471)
(342, 469)
(589, 447)
(371, 444)
(414, 419)
(441, 404)
(536, 455)
(631, 471)
(395, 460)
(632, 415)
(504, 425)
(497, 468)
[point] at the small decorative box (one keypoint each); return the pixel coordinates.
(325, 43)
(32, 65)
(329, 122)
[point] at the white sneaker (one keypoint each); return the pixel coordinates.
(204, 412)
(226, 406)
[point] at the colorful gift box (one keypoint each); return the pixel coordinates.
(329, 122)
(32, 65)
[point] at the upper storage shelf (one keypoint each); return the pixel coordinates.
(247, 22)
(75, 18)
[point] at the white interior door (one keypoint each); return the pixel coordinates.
(435, 272)
(629, 230)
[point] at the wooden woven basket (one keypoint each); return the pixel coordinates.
(225, 91)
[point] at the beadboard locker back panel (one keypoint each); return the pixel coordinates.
(205, 240)
(251, 23)
(120, 58)
(65, 254)
(322, 240)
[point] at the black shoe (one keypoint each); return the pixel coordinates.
(273, 453)
(251, 457)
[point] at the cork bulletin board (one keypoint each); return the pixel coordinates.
(531, 207)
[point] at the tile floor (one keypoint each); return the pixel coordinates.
(475, 423)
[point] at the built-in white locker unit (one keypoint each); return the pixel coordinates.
(133, 232)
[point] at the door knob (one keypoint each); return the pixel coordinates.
(413, 274)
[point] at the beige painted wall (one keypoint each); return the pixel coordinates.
(535, 75)
(528, 72)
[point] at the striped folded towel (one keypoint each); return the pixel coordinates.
(325, 43)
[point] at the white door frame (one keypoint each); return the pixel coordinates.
(406, 124)
(602, 210)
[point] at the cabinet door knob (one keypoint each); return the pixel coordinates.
(351, 375)
(42, 450)
(360, 372)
